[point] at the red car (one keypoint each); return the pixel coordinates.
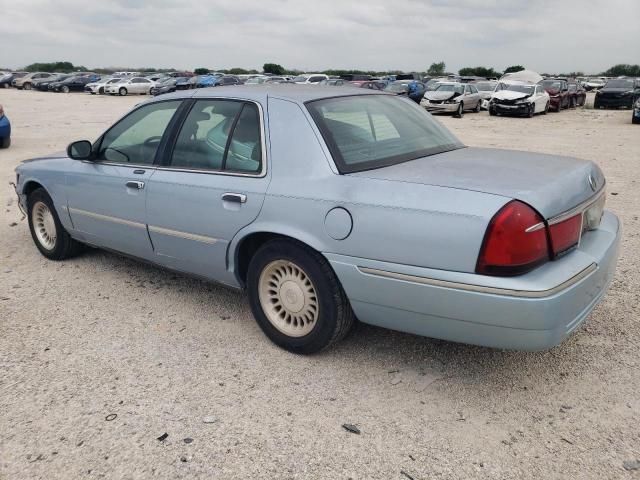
(577, 94)
(558, 90)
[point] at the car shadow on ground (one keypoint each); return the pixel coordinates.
(365, 343)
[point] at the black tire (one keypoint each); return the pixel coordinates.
(335, 317)
(546, 109)
(26, 86)
(64, 89)
(596, 104)
(478, 106)
(460, 111)
(532, 110)
(492, 111)
(5, 142)
(122, 92)
(635, 119)
(572, 102)
(65, 246)
(101, 91)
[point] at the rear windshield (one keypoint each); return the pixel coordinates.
(371, 131)
(620, 83)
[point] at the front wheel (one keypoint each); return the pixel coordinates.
(460, 110)
(596, 104)
(122, 92)
(64, 89)
(47, 232)
(296, 297)
(532, 110)
(5, 142)
(27, 86)
(492, 111)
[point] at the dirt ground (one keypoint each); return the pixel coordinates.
(100, 355)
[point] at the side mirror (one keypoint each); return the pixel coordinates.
(80, 150)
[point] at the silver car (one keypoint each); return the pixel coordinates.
(126, 86)
(452, 97)
(328, 205)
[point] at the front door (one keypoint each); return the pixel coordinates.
(210, 186)
(106, 197)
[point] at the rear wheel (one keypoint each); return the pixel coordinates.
(477, 109)
(635, 119)
(596, 103)
(47, 232)
(296, 297)
(122, 92)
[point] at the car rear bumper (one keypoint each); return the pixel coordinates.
(531, 312)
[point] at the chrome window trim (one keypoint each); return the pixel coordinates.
(185, 235)
(263, 144)
(480, 288)
(108, 218)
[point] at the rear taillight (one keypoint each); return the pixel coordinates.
(565, 234)
(515, 242)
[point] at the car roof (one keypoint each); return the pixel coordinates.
(260, 93)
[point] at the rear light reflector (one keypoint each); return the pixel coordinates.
(515, 241)
(565, 234)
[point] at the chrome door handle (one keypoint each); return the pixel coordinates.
(234, 197)
(136, 185)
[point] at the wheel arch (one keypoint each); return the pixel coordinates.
(245, 245)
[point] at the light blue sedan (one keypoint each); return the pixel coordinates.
(328, 205)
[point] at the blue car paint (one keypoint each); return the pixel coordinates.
(408, 262)
(5, 127)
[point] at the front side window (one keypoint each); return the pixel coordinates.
(220, 135)
(135, 138)
(371, 131)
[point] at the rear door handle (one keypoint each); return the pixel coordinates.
(234, 197)
(135, 184)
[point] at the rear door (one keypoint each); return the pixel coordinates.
(106, 198)
(211, 184)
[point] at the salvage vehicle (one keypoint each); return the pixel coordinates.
(519, 98)
(635, 114)
(452, 97)
(326, 204)
(307, 78)
(5, 130)
(485, 89)
(43, 84)
(25, 82)
(125, 86)
(98, 87)
(370, 84)
(577, 94)
(594, 84)
(558, 90)
(183, 83)
(616, 93)
(7, 78)
(410, 88)
(73, 84)
(167, 85)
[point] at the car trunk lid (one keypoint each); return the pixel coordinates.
(551, 184)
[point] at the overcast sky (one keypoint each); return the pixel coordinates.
(543, 35)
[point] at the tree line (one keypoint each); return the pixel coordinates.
(436, 69)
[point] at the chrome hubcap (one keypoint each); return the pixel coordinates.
(44, 225)
(288, 298)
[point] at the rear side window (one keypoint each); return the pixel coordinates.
(371, 131)
(220, 135)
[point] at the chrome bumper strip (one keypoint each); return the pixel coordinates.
(479, 288)
(185, 235)
(106, 218)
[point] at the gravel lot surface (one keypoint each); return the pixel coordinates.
(100, 355)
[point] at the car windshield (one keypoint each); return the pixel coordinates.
(485, 86)
(371, 131)
(300, 78)
(450, 88)
(528, 89)
(397, 87)
(552, 84)
(619, 83)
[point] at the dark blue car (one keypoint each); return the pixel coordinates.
(5, 130)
